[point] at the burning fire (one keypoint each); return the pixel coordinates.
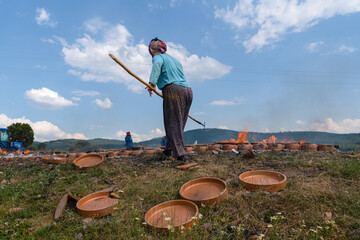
(27, 151)
(242, 138)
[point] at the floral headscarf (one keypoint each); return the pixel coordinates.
(157, 46)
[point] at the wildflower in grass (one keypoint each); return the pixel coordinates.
(137, 218)
(270, 226)
(194, 223)
(167, 219)
(261, 236)
(182, 228)
(120, 191)
(282, 217)
(313, 230)
(169, 227)
(319, 227)
(164, 213)
(144, 223)
(194, 218)
(273, 218)
(279, 213)
(202, 205)
(200, 216)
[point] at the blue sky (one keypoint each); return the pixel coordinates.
(265, 65)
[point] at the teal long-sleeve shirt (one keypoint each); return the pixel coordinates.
(167, 70)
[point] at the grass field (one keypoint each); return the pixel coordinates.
(318, 182)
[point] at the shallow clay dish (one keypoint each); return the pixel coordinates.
(112, 154)
(263, 180)
(207, 191)
(68, 197)
(124, 153)
(176, 213)
(96, 204)
(186, 166)
(88, 161)
(229, 147)
(149, 152)
(189, 149)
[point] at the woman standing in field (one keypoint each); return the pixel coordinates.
(167, 74)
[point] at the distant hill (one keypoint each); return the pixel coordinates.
(211, 135)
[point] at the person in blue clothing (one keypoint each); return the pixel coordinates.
(128, 140)
(167, 74)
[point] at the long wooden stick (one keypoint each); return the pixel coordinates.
(145, 83)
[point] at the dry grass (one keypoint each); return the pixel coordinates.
(317, 183)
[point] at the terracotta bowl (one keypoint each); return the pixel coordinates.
(112, 154)
(189, 149)
(201, 149)
(96, 205)
(308, 147)
(245, 146)
(326, 147)
(88, 161)
(124, 153)
(263, 180)
(214, 147)
(276, 146)
(259, 146)
(207, 191)
(176, 213)
(292, 146)
(229, 147)
(136, 152)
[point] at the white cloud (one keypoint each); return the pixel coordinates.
(141, 137)
(270, 20)
(48, 99)
(235, 101)
(223, 127)
(106, 103)
(300, 122)
(314, 46)
(94, 25)
(43, 130)
(90, 61)
(85, 93)
(76, 98)
(344, 126)
(43, 18)
(346, 49)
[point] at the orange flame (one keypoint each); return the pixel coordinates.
(27, 151)
(301, 142)
(271, 139)
(242, 138)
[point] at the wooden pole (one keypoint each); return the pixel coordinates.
(146, 84)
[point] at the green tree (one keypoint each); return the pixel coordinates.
(21, 132)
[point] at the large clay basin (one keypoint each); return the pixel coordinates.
(88, 161)
(208, 191)
(326, 148)
(96, 205)
(229, 147)
(177, 213)
(263, 180)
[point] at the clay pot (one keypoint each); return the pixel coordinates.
(229, 147)
(208, 191)
(214, 147)
(276, 146)
(245, 146)
(308, 147)
(96, 205)
(259, 146)
(292, 146)
(326, 148)
(263, 180)
(189, 149)
(177, 213)
(201, 149)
